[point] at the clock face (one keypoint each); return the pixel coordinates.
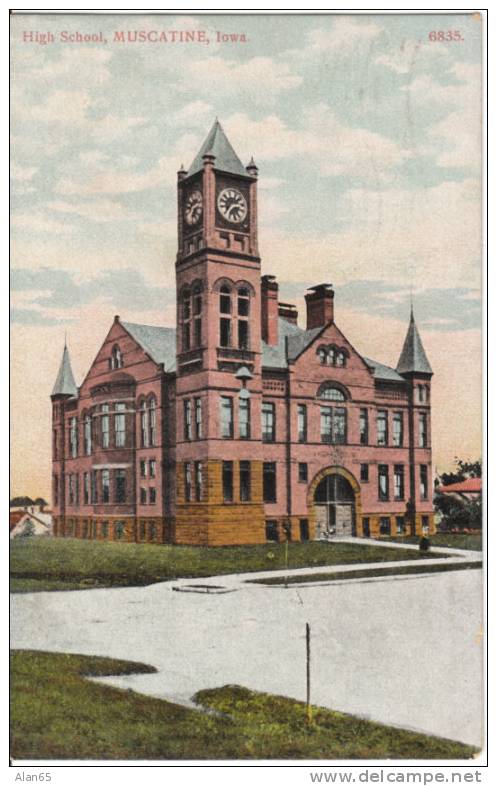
(232, 205)
(193, 207)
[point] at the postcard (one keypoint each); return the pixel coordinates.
(246, 288)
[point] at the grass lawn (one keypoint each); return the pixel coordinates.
(57, 714)
(404, 570)
(470, 542)
(66, 563)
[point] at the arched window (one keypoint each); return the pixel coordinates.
(332, 356)
(225, 316)
(144, 424)
(186, 316)
(243, 313)
(116, 359)
(243, 302)
(322, 355)
(197, 314)
(152, 405)
(331, 393)
(87, 433)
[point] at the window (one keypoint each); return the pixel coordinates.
(119, 530)
(73, 437)
(225, 321)
(153, 421)
(228, 481)
(198, 418)
(152, 530)
(366, 531)
(116, 358)
(198, 480)
(105, 485)
(105, 426)
(186, 314)
(144, 424)
(143, 496)
(76, 489)
(303, 472)
(331, 393)
(152, 495)
(153, 467)
(339, 426)
(423, 433)
(326, 424)
(269, 481)
(225, 332)
(382, 482)
(398, 481)
(382, 427)
(425, 524)
(226, 417)
(87, 433)
(70, 481)
(187, 418)
(272, 530)
(245, 490)
(120, 479)
(422, 394)
(302, 422)
(94, 487)
(142, 530)
(363, 427)
(105, 529)
(120, 425)
(143, 468)
(55, 490)
(268, 421)
(332, 356)
(244, 417)
(384, 525)
(398, 429)
(423, 481)
(86, 488)
(55, 445)
(365, 472)
(197, 316)
(243, 334)
(188, 481)
(400, 525)
(243, 302)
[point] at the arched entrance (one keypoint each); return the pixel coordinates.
(334, 505)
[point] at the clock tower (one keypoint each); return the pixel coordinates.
(219, 448)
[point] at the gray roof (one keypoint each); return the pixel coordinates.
(413, 356)
(65, 384)
(383, 372)
(274, 356)
(158, 342)
(217, 144)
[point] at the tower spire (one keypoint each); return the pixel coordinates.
(413, 357)
(218, 145)
(65, 384)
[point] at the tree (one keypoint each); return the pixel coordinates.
(28, 530)
(21, 502)
(458, 513)
(465, 470)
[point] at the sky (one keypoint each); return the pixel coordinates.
(367, 135)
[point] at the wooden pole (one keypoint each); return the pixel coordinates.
(308, 672)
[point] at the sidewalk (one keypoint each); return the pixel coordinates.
(232, 581)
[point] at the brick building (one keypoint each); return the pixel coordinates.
(239, 425)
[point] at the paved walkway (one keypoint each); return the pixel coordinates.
(234, 581)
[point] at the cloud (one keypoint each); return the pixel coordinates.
(40, 222)
(224, 77)
(100, 210)
(340, 150)
(345, 37)
(22, 173)
(411, 55)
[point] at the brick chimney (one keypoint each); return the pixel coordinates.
(269, 309)
(319, 302)
(289, 312)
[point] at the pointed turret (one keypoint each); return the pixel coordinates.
(413, 358)
(65, 384)
(219, 147)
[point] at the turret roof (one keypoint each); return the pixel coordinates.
(217, 144)
(413, 356)
(65, 384)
